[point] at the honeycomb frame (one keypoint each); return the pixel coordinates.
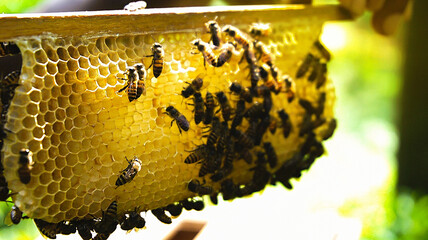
(68, 113)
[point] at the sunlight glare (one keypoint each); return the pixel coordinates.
(334, 36)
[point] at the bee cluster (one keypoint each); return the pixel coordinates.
(234, 122)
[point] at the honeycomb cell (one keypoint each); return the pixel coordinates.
(73, 52)
(63, 54)
(47, 201)
(40, 56)
(72, 65)
(64, 185)
(53, 188)
(52, 54)
(83, 51)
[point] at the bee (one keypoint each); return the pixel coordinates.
(179, 118)
(322, 78)
(84, 228)
(66, 229)
(229, 189)
(321, 104)
(174, 209)
(214, 29)
(209, 108)
(194, 86)
(251, 59)
(196, 187)
(225, 107)
(133, 221)
(4, 190)
(255, 111)
(206, 51)
(307, 106)
(141, 83)
(198, 102)
(260, 30)
(132, 83)
(25, 165)
(290, 88)
(239, 36)
(157, 62)
(286, 123)
(262, 127)
(323, 50)
(190, 204)
(197, 155)
(8, 48)
(8, 85)
(127, 174)
(108, 223)
(47, 229)
(14, 216)
(135, 6)
(316, 69)
(243, 139)
(265, 54)
(214, 199)
(331, 127)
(271, 154)
(101, 236)
(239, 114)
(288, 170)
(304, 66)
(225, 54)
(159, 213)
(244, 93)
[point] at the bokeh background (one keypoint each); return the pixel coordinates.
(351, 192)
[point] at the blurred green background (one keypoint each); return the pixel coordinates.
(357, 177)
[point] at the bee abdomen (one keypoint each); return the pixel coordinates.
(159, 213)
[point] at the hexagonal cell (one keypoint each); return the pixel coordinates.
(63, 54)
(66, 172)
(73, 52)
(64, 185)
(59, 197)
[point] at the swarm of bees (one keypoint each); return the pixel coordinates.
(234, 129)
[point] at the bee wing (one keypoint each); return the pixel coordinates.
(7, 220)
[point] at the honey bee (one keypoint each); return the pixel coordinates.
(14, 216)
(214, 29)
(323, 50)
(211, 163)
(209, 108)
(179, 118)
(157, 62)
(174, 209)
(225, 107)
(195, 204)
(102, 236)
(255, 111)
(206, 51)
(265, 54)
(262, 127)
(4, 190)
(132, 83)
(239, 36)
(258, 30)
(135, 6)
(65, 229)
(84, 228)
(239, 114)
(198, 102)
(108, 223)
(194, 86)
(214, 198)
(316, 69)
(196, 187)
(331, 127)
(290, 88)
(322, 78)
(244, 93)
(307, 106)
(197, 155)
(127, 174)
(47, 229)
(159, 213)
(141, 83)
(25, 165)
(243, 139)
(8, 48)
(133, 221)
(225, 54)
(7, 86)
(251, 59)
(304, 66)
(229, 189)
(271, 154)
(286, 123)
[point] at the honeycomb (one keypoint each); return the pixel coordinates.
(68, 113)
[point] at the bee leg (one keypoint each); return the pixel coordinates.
(127, 85)
(179, 128)
(151, 64)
